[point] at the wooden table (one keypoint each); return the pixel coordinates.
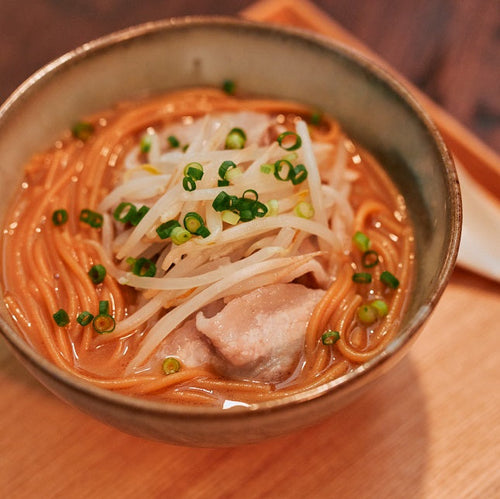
(429, 428)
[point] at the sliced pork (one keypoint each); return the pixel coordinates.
(260, 335)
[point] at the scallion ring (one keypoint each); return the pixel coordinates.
(381, 307)
(103, 323)
(143, 267)
(222, 201)
(85, 318)
(236, 139)
(59, 217)
(253, 194)
(125, 212)
(362, 277)
(91, 218)
(330, 337)
(82, 130)
(140, 214)
(259, 209)
(369, 259)
(166, 228)
(283, 170)
(267, 168)
(171, 365)
(367, 314)
(389, 280)
(299, 174)
(316, 118)
(145, 145)
(230, 217)
(194, 170)
(173, 141)
(304, 209)
(361, 241)
(229, 87)
(104, 307)
(284, 139)
(97, 273)
(61, 317)
(188, 183)
(225, 167)
(180, 235)
(193, 222)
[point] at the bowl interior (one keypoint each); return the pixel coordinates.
(373, 109)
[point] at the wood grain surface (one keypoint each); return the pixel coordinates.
(428, 429)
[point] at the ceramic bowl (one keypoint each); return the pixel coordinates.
(373, 108)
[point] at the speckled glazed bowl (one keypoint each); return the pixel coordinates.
(374, 109)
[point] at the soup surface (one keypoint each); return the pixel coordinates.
(206, 248)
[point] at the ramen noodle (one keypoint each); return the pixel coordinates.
(206, 248)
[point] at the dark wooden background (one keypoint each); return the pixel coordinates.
(448, 48)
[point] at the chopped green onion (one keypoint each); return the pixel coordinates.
(299, 174)
(104, 323)
(304, 209)
(222, 201)
(259, 209)
(92, 218)
(230, 217)
(85, 318)
(185, 147)
(141, 212)
(145, 143)
(361, 241)
(125, 212)
(367, 314)
(193, 222)
(171, 365)
(173, 141)
(189, 184)
(389, 280)
(330, 337)
(278, 168)
(82, 130)
(236, 139)
(97, 274)
(104, 307)
(130, 261)
(233, 173)
(362, 277)
(59, 217)
(144, 268)
(225, 167)
(253, 193)
(316, 117)
(166, 228)
(222, 183)
(61, 317)
(272, 208)
(369, 259)
(267, 168)
(381, 307)
(194, 170)
(229, 87)
(285, 136)
(203, 232)
(246, 215)
(179, 235)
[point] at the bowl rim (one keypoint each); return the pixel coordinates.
(346, 383)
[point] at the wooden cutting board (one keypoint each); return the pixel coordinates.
(429, 428)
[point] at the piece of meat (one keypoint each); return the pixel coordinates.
(260, 334)
(187, 345)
